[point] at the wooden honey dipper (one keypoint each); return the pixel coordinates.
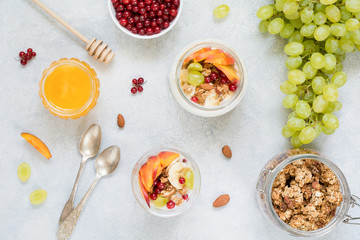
(101, 51)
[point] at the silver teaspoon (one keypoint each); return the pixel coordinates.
(105, 164)
(88, 147)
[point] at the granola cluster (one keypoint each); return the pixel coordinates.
(306, 194)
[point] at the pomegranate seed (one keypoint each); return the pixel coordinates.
(185, 197)
(140, 88)
(133, 90)
(160, 186)
(153, 196)
(181, 180)
(232, 87)
(214, 76)
(22, 54)
(207, 79)
(29, 50)
(184, 160)
(157, 191)
(170, 204)
(194, 99)
(140, 81)
(33, 54)
(23, 61)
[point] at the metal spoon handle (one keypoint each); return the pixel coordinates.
(68, 225)
(69, 205)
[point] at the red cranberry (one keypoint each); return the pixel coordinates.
(160, 186)
(129, 7)
(141, 32)
(139, 25)
(134, 30)
(116, 5)
(118, 16)
(155, 182)
(194, 99)
(148, 8)
(176, 2)
(140, 88)
(221, 74)
(28, 55)
(135, 9)
(181, 180)
(33, 54)
(120, 8)
(136, 19)
(171, 18)
(147, 22)
(22, 54)
(129, 27)
(232, 87)
(141, 4)
(166, 24)
(114, 1)
(153, 196)
(140, 81)
(173, 12)
(149, 31)
(126, 14)
(208, 79)
(159, 21)
(159, 13)
(223, 80)
(157, 191)
(157, 29)
(123, 22)
(126, 2)
(131, 20)
(148, 2)
(185, 197)
(29, 50)
(153, 24)
(166, 11)
(227, 80)
(133, 90)
(152, 14)
(170, 204)
(155, 7)
(162, 6)
(184, 160)
(214, 76)
(142, 11)
(134, 2)
(23, 61)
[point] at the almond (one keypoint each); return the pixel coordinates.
(221, 201)
(120, 120)
(207, 87)
(226, 150)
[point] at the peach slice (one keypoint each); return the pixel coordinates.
(144, 192)
(193, 55)
(37, 143)
(167, 157)
(204, 55)
(221, 58)
(146, 175)
(229, 71)
(154, 167)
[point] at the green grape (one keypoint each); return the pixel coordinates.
(287, 132)
(309, 95)
(290, 100)
(290, 7)
(338, 106)
(345, 14)
(279, 4)
(276, 25)
(263, 26)
(357, 15)
(307, 135)
(346, 45)
(223, 10)
(160, 201)
(320, 18)
(24, 172)
(38, 196)
(319, 104)
(358, 47)
(320, 7)
(294, 49)
(195, 78)
(331, 45)
(330, 121)
(296, 124)
(333, 13)
(308, 30)
(328, 72)
(307, 15)
(288, 87)
(296, 37)
(340, 55)
(355, 37)
(327, 130)
(338, 29)
(296, 76)
(331, 92)
(352, 24)
(287, 30)
(333, 107)
(303, 109)
(309, 71)
(293, 16)
(195, 67)
(309, 47)
(322, 32)
(295, 140)
(330, 61)
(293, 62)
(189, 179)
(339, 79)
(318, 128)
(264, 12)
(292, 115)
(339, 67)
(347, 36)
(353, 5)
(297, 23)
(328, 2)
(317, 60)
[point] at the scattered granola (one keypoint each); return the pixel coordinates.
(306, 194)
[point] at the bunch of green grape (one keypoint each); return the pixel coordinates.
(319, 33)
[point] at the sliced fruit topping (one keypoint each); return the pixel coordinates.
(184, 75)
(229, 71)
(176, 173)
(189, 179)
(192, 56)
(167, 158)
(24, 172)
(195, 67)
(38, 144)
(221, 58)
(195, 78)
(160, 202)
(144, 192)
(204, 55)
(38, 196)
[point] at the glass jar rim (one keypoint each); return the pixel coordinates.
(91, 102)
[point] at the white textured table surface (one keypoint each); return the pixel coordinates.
(153, 119)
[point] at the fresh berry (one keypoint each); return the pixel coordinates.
(133, 90)
(181, 180)
(160, 186)
(185, 197)
(140, 81)
(170, 204)
(140, 88)
(22, 54)
(208, 79)
(33, 54)
(214, 76)
(23, 61)
(194, 99)
(232, 87)
(223, 80)
(135, 81)
(184, 161)
(29, 50)
(221, 74)
(156, 182)
(153, 196)
(157, 191)
(28, 56)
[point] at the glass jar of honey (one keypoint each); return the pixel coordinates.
(69, 88)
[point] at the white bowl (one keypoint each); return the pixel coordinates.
(172, 24)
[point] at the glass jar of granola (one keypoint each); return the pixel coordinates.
(303, 193)
(166, 181)
(208, 78)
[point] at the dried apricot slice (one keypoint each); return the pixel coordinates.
(37, 143)
(24, 172)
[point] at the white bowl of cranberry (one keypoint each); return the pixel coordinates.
(145, 19)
